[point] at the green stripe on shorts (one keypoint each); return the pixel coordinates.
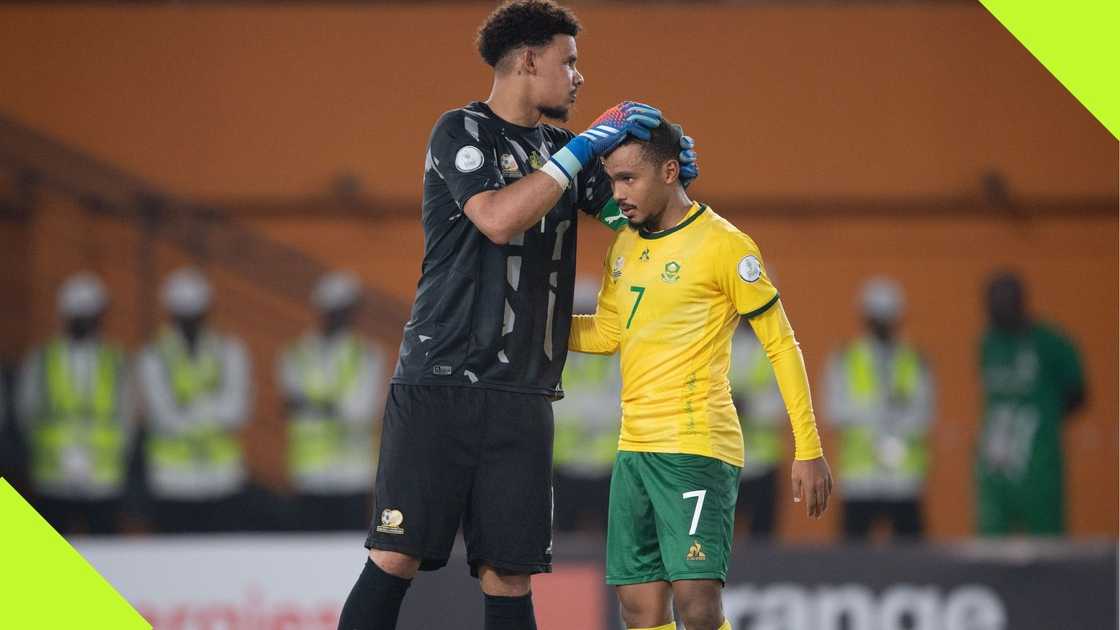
(671, 517)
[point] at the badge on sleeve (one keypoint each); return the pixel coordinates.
(468, 159)
(749, 268)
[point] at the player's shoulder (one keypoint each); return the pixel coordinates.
(470, 118)
(623, 238)
(726, 234)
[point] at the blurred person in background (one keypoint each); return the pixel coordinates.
(468, 427)
(586, 432)
(881, 399)
(762, 414)
(12, 451)
(1033, 379)
(332, 380)
(77, 413)
(195, 384)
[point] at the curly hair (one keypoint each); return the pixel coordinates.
(523, 23)
(664, 143)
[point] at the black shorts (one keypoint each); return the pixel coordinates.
(471, 456)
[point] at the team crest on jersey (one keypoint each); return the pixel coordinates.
(672, 271)
(616, 270)
(695, 552)
(535, 160)
(645, 254)
(391, 521)
(749, 268)
(509, 165)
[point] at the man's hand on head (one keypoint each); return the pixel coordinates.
(690, 168)
(628, 118)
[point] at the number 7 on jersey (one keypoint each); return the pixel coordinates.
(638, 300)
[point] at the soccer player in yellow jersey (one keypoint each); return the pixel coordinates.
(675, 283)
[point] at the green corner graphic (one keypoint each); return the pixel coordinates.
(45, 584)
(1077, 41)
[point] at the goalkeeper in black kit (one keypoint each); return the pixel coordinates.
(467, 437)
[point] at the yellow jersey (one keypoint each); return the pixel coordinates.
(670, 302)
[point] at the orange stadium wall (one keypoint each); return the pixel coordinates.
(872, 125)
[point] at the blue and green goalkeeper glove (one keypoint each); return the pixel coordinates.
(608, 130)
(690, 169)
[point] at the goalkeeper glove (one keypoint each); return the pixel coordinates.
(690, 169)
(608, 130)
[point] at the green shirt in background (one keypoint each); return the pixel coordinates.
(1028, 379)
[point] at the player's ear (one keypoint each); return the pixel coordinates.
(670, 171)
(527, 59)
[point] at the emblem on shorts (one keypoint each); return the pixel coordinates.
(391, 521)
(616, 270)
(672, 271)
(695, 553)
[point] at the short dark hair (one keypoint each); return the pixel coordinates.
(523, 23)
(664, 143)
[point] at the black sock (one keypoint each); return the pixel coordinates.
(510, 613)
(375, 600)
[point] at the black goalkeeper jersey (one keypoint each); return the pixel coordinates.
(486, 315)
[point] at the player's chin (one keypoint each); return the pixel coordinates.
(560, 113)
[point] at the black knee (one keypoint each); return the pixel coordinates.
(700, 614)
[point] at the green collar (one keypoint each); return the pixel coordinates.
(679, 226)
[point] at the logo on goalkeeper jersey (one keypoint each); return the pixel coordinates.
(509, 166)
(469, 159)
(391, 521)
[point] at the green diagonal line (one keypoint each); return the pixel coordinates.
(45, 583)
(1078, 41)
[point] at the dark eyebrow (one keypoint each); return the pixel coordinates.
(621, 174)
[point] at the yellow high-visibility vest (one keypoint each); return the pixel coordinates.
(579, 441)
(859, 455)
(79, 418)
(762, 441)
(315, 441)
(207, 444)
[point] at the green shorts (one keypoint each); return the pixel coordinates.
(671, 517)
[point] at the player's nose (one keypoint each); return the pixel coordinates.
(577, 80)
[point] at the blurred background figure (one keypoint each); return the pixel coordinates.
(333, 381)
(12, 453)
(880, 395)
(587, 422)
(1032, 380)
(77, 415)
(195, 383)
(762, 414)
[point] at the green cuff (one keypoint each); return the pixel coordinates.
(762, 309)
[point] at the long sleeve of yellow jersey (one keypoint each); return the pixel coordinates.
(775, 333)
(598, 333)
